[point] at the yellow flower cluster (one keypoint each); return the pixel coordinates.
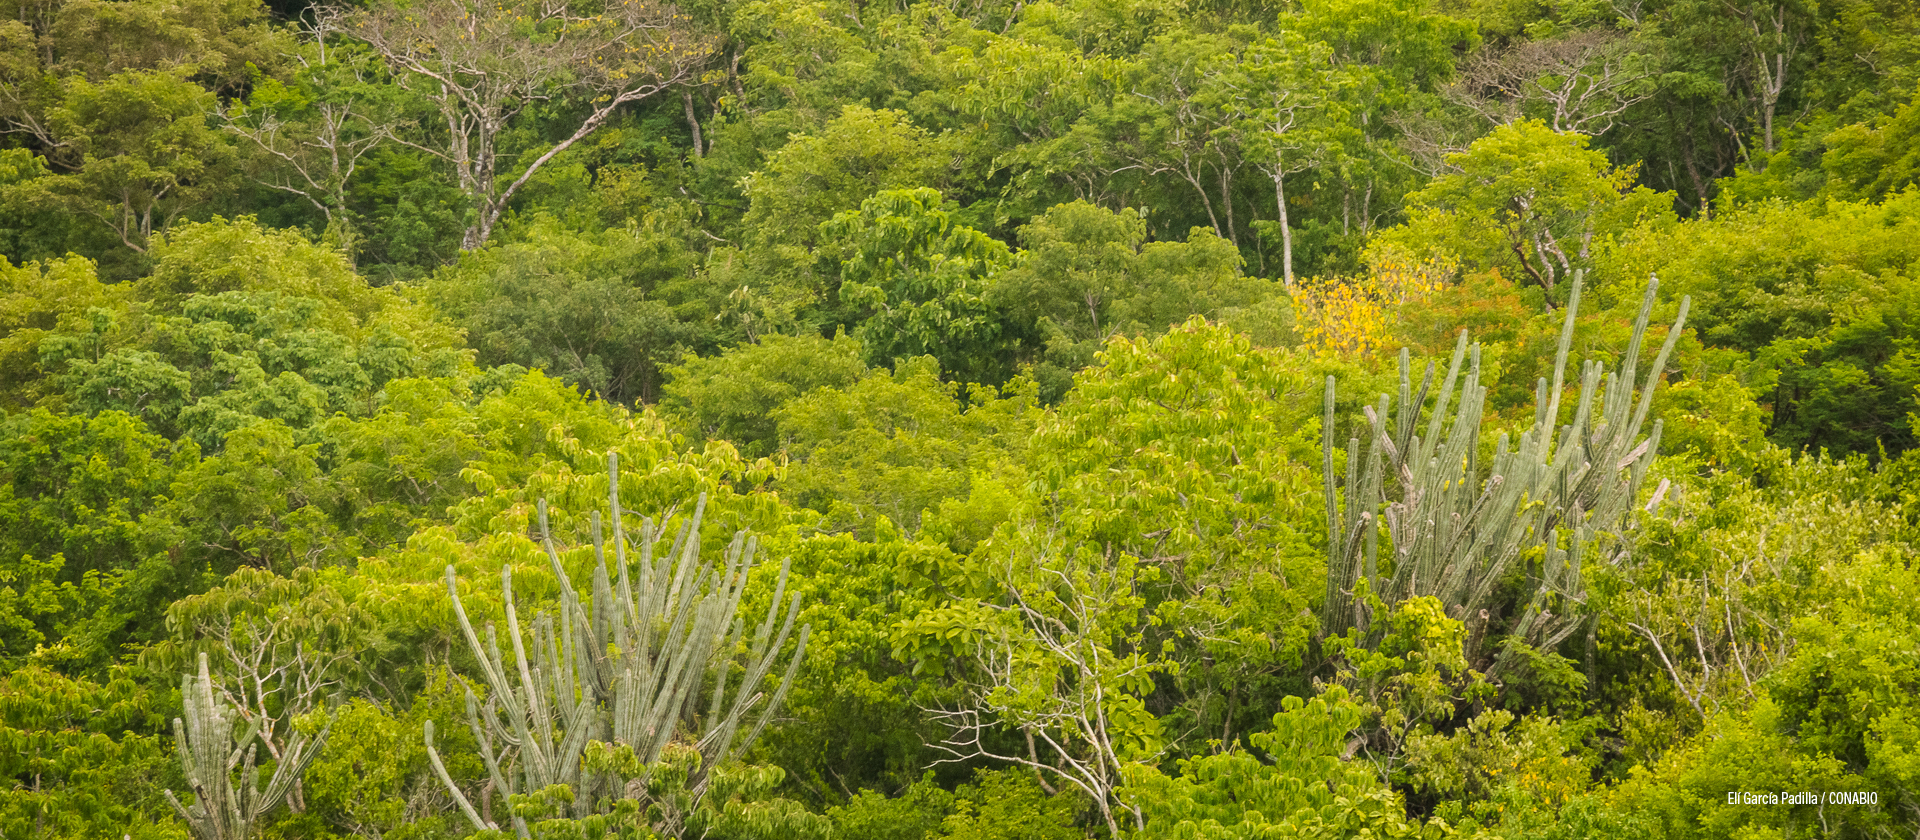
(1354, 316)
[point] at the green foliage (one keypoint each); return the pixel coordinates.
(1537, 758)
(1060, 658)
(1087, 274)
(1303, 789)
(1726, 569)
(237, 325)
(1873, 161)
(855, 707)
(733, 396)
(145, 147)
(923, 281)
(40, 299)
(896, 445)
(997, 804)
(1051, 507)
(1414, 681)
(76, 495)
(816, 177)
(600, 312)
(80, 758)
(1009, 804)
(1405, 41)
(913, 815)
(372, 775)
(278, 646)
(1837, 716)
(1188, 451)
(1530, 201)
(1820, 299)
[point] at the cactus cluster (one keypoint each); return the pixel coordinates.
(1555, 499)
(644, 661)
(212, 744)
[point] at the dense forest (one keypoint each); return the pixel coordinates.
(914, 419)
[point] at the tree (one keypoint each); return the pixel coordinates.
(1281, 98)
(897, 444)
(82, 756)
(76, 494)
(598, 311)
(145, 150)
(1163, 128)
(1305, 788)
(240, 323)
(924, 278)
(482, 65)
(1025, 97)
(1060, 660)
(1190, 452)
(1724, 572)
(45, 46)
(1773, 32)
(820, 174)
(1529, 198)
(314, 133)
(1821, 295)
(36, 299)
(1837, 714)
(733, 396)
(1581, 82)
(1087, 274)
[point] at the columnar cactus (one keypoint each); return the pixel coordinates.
(1560, 496)
(624, 666)
(211, 746)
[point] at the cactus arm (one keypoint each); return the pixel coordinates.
(459, 799)
(489, 665)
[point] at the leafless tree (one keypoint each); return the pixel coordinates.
(1046, 665)
(315, 154)
(270, 677)
(482, 64)
(1429, 138)
(1579, 82)
(1774, 41)
(279, 648)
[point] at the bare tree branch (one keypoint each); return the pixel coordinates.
(1579, 82)
(482, 64)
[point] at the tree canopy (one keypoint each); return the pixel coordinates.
(1046, 419)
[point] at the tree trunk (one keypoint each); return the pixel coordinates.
(693, 122)
(1226, 198)
(478, 232)
(1286, 229)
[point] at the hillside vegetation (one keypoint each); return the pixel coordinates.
(1030, 419)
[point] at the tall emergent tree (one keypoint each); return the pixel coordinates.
(1280, 99)
(608, 700)
(482, 64)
